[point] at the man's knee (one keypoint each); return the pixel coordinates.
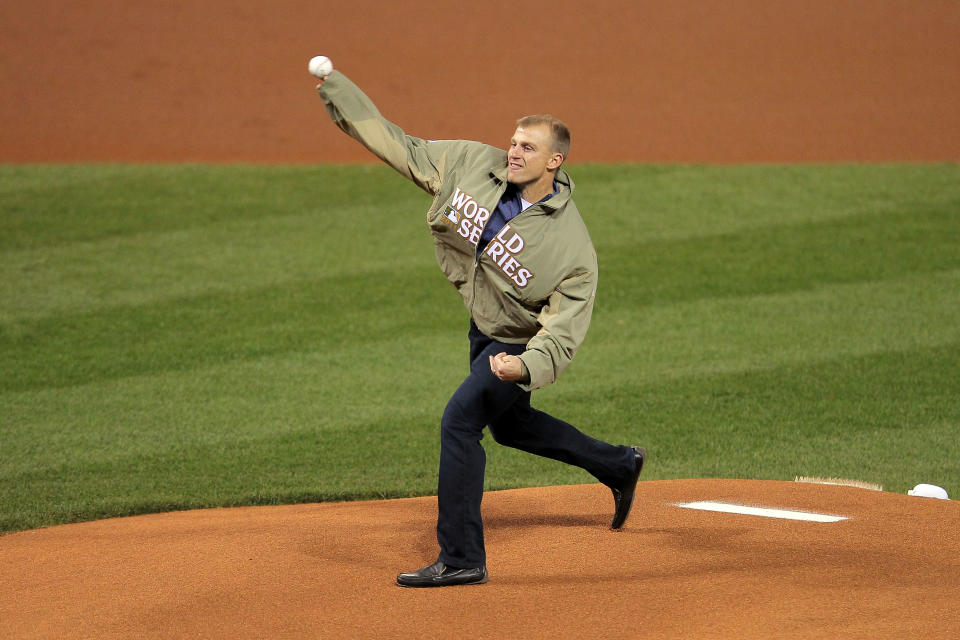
(457, 419)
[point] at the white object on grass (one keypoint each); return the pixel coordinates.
(929, 491)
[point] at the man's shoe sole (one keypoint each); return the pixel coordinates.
(436, 575)
(443, 584)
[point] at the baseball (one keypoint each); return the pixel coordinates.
(320, 66)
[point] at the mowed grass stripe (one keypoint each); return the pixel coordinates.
(72, 349)
(783, 258)
(739, 334)
(69, 349)
(319, 391)
(55, 205)
(51, 205)
(163, 266)
(652, 203)
(145, 267)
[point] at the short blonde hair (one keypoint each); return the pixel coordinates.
(558, 130)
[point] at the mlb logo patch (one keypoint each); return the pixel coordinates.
(451, 216)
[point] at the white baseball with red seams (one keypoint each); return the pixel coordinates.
(320, 66)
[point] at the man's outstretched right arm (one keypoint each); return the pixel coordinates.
(352, 111)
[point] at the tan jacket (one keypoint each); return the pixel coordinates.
(535, 282)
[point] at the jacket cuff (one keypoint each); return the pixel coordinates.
(524, 373)
(529, 383)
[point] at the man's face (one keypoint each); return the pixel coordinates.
(530, 154)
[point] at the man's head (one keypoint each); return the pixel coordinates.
(537, 149)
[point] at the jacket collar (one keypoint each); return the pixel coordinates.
(499, 173)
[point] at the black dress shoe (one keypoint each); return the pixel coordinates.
(623, 494)
(440, 575)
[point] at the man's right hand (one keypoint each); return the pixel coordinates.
(508, 368)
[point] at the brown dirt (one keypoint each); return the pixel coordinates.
(327, 570)
(744, 81)
(740, 81)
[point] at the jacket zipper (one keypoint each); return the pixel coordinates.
(476, 260)
(473, 297)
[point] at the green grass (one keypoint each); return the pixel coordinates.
(187, 336)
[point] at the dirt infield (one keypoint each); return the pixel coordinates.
(891, 570)
(687, 81)
(684, 81)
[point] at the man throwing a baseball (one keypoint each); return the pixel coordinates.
(510, 239)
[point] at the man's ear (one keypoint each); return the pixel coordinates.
(555, 161)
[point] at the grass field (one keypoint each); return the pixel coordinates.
(188, 336)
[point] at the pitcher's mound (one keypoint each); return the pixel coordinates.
(890, 568)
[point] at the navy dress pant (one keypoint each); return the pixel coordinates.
(483, 400)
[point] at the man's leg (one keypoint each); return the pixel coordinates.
(522, 427)
(479, 400)
(475, 403)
